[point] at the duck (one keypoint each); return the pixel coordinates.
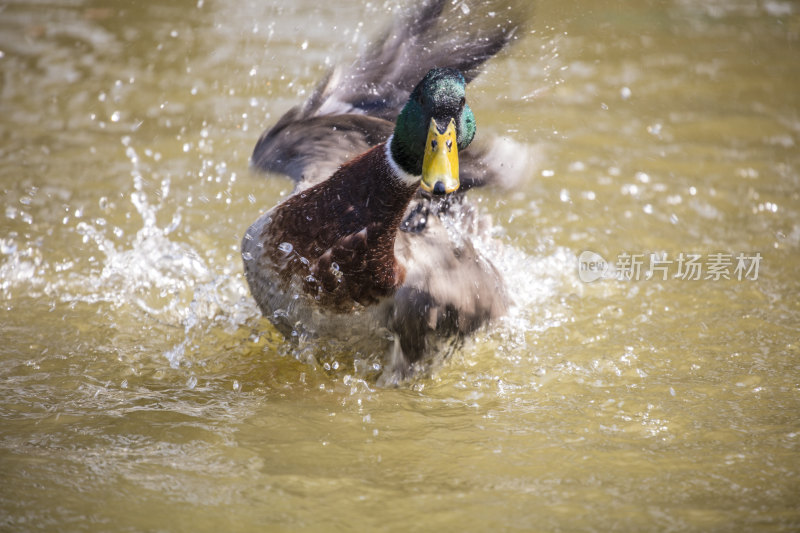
(377, 248)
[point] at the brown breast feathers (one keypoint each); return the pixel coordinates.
(339, 235)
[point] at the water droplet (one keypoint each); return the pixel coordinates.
(654, 129)
(7, 247)
(285, 247)
(304, 45)
(115, 116)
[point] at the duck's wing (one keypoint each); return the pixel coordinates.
(354, 107)
(496, 161)
(437, 33)
(310, 148)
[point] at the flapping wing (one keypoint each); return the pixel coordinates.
(354, 107)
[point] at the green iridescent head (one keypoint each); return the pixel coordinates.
(433, 126)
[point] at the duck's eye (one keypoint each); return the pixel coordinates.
(449, 145)
(435, 143)
(461, 103)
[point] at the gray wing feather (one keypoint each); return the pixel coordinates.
(353, 108)
(449, 290)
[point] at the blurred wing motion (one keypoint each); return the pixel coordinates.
(354, 108)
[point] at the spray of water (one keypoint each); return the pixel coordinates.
(151, 280)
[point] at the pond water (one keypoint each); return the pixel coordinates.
(140, 390)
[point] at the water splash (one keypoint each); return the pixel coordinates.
(536, 286)
(154, 273)
(149, 280)
(152, 281)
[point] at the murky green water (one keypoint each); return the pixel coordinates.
(140, 390)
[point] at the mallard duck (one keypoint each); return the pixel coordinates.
(374, 248)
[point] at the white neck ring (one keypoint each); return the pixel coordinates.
(401, 175)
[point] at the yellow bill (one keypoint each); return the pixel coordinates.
(440, 163)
